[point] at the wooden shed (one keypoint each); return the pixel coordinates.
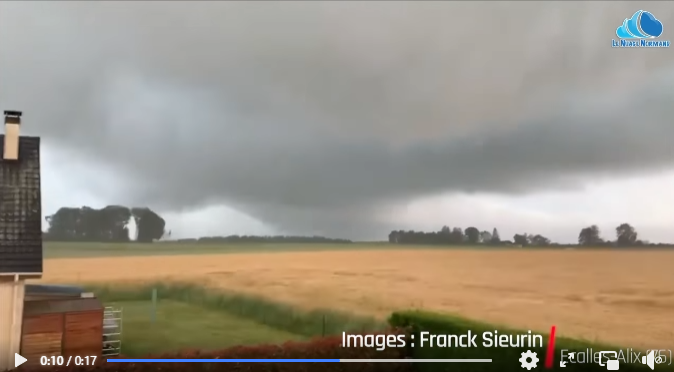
(60, 320)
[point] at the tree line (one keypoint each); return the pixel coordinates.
(625, 236)
(471, 235)
(263, 239)
(109, 224)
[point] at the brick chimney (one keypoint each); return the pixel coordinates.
(12, 124)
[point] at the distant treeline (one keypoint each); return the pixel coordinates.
(262, 239)
(626, 236)
(109, 224)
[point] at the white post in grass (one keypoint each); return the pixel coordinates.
(154, 305)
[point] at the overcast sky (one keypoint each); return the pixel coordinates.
(348, 119)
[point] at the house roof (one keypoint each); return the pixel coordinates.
(63, 305)
(50, 298)
(21, 209)
(53, 290)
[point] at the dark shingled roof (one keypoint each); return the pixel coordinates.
(21, 209)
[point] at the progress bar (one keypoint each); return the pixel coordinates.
(299, 360)
(415, 360)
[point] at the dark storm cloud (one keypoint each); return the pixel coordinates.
(314, 116)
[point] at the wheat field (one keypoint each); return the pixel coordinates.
(620, 297)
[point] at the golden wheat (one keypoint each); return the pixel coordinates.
(623, 297)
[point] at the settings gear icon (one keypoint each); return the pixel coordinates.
(525, 357)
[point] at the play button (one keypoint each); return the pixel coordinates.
(19, 360)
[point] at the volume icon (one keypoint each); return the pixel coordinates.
(649, 359)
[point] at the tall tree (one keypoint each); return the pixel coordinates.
(392, 237)
(65, 224)
(113, 220)
(626, 235)
(445, 235)
(521, 239)
(495, 237)
(485, 237)
(589, 236)
(472, 235)
(149, 224)
(539, 240)
(457, 235)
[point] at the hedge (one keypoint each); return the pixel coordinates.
(320, 322)
(323, 348)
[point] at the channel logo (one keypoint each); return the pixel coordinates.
(640, 31)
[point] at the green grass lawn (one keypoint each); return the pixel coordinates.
(180, 326)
